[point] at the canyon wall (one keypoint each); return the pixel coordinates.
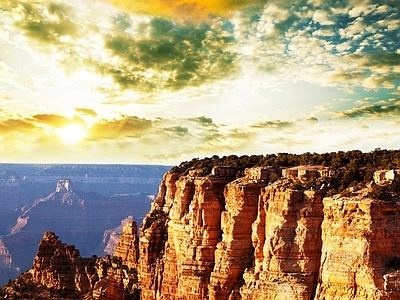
(220, 238)
(216, 237)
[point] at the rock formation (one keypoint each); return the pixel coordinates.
(214, 237)
(58, 265)
(221, 238)
(111, 237)
(361, 249)
(80, 218)
(59, 272)
(234, 253)
(128, 245)
(287, 241)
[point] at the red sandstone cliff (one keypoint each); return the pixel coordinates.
(214, 237)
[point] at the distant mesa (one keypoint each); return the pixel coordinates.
(64, 185)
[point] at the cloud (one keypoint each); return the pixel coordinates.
(177, 130)
(372, 110)
(273, 124)
(322, 17)
(46, 23)
(361, 9)
(144, 54)
(370, 70)
(6, 73)
(15, 125)
(52, 120)
(324, 32)
(126, 126)
(57, 120)
(204, 121)
(312, 120)
(379, 59)
(86, 111)
(163, 55)
(350, 76)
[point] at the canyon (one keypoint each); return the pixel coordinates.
(274, 233)
(82, 203)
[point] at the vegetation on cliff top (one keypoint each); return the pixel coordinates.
(350, 167)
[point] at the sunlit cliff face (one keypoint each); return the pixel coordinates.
(165, 81)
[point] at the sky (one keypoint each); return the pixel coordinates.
(165, 81)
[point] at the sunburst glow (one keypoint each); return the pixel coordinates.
(71, 134)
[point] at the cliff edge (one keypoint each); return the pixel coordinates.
(271, 234)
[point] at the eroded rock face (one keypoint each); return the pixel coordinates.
(215, 237)
(235, 252)
(287, 242)
(128, 245)
(217, 228)
(186, 222)
(361, 249)
(58, 272)
(58, 265)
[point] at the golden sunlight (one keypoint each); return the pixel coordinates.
(72, 133)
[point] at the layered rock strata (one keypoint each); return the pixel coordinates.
(214, 237)
(361, 249)
(128, 245)
(287, 245)
(59, 272)
(59, 265)
(235, 252)
(187, 226)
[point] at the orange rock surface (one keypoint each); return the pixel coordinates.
(217, 238)
(361, 249)
(128, 245)
(235, 252)
(287, 242)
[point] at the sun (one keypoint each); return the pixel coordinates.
(72, 133)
